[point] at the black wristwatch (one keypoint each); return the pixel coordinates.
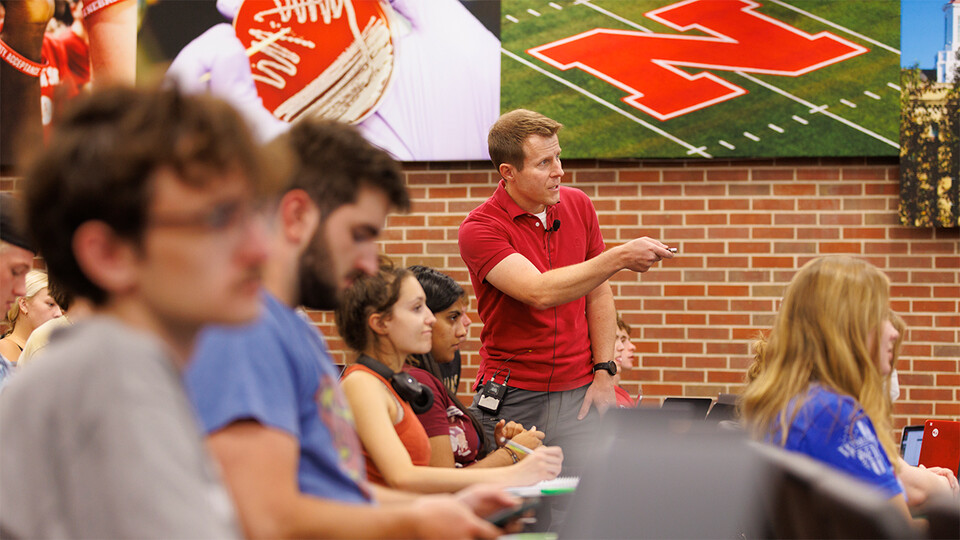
(610, 367)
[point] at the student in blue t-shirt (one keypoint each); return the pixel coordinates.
(821, 389)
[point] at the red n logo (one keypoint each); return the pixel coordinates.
(646, 65)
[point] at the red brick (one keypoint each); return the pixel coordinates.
(947, 409)
(864, 204)
(794, 247)
(424, 234)
(818, 174)
(708, 305)
(662, 333)
(705, 362)
(728, 204)
(841, 219)
(729, 318)
(930, 394)
(911, 262)
(933, 277)
(726, 377)
(662, 219)
(945, 366)
(670, 375)
(686, 318)
(704, 190)
(682, 347)
(840, 247)
(728, 175)
(683, 204)
(750, 219)
(910, 291)
(704, 219)
(774, 204)
(426, 178)
(661, 390)
(701, 275)
(751, 305)
(944, 379)
(882, 189)
(946, 291)
(750, 276)
(795, 190)
(795, 219)
(948, 320)
(836, 190)
(772, 262)
(947, 262)
(663, 304)
(749, 190)
(946, 351)
(919, 379)
(683, 176)
(863, 173)
(772, 174)
(661, 361)
(582, 176)
(703, 247)
(639, 176)
(701, 334)
(728, 290)
(819, 233)
(471, 178)
(749, 247)
(729, 232)
(818, 204)
(871, 233)
(683, 290)
(639, 205)
(661, 190)
(921, 409)
(774, 232)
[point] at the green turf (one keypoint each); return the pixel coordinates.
(593, 130)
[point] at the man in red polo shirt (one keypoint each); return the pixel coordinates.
(538, 266)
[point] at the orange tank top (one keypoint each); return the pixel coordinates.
(409, 429)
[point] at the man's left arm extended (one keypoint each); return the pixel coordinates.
(602, 325)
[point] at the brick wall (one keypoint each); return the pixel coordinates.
(743, 228)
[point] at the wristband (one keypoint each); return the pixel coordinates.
(92, 6)
(513, 455)
(21, 64)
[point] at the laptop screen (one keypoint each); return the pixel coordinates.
(910, 444)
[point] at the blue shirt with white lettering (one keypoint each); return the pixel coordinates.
(833, 428)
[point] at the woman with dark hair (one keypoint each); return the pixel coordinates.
(456, 437)
(384, 318)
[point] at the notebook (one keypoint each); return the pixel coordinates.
(941, 444)
(910, 444)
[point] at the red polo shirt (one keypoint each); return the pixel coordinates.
(551, 347)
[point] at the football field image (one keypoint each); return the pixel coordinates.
(707, 78)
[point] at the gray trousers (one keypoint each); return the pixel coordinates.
(555, 414)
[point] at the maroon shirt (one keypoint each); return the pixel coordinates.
(551, 347)
(444, 418)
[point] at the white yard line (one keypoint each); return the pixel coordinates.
(801, 120)
(870, 94)
(751, 136)
(512, 19)
(607, 104)
(775, 127)
(612, 15)
(850, 104)
(837, 26)
(821, 109)
(894, 86)
(555, 6)
(725, 144)
(533, 12)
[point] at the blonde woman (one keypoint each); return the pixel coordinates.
(821, 390)
(27, 313)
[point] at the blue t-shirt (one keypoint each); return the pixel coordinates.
(278, 372)
(834, 429)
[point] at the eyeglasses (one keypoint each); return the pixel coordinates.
(226, 216)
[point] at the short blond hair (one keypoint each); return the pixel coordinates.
(508, 133)
(36, 281)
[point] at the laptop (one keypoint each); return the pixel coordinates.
(941, 444)
(910, 444)
(695, 407)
